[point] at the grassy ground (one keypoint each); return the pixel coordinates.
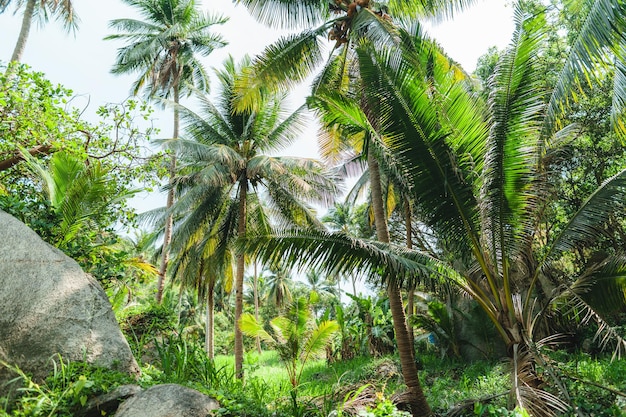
(447, 384)
(363, 380)
(470, 388)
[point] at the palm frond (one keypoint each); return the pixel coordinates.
(605, 334)
(434, 9)
(319, 338)
(287, 14)
(282, 64)
(250, 327)
(275, 134)
(603, 31)
(585, 225)
(512, 154)
(527, 395)
(336, 73)
(599, 291)
(619, 91)
(337, 253)
(417, 141)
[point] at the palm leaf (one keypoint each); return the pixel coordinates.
(416, 136)
(585, 225)
(338, 253)
(288, 14)
(434, 9)
(282, 64)
(251, 327)
(601, 32)
(512, 155)
(319, 338)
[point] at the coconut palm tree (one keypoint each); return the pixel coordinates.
(164, 50)
(201, 260)
(258, 283)
(358, 139)
(232, 152)
(342, 217)
(320, 283)
(296, 338)
(481, 187)
(279, 284)
(294, 57)
(62, 10)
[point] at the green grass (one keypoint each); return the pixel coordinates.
(325, 387)
(446, 383)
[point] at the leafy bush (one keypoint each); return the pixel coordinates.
(142, 324)
(385, 408)
(66, 390)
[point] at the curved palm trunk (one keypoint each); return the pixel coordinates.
(24, 31)
(167, 236)
(416, 398)
(241, 231)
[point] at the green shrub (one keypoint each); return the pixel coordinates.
(384, 408)
(67, 389)
(142, 324)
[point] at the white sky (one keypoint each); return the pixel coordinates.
(83, 62)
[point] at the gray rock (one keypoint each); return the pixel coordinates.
(50, 307)
(107, 404)
(168, 400)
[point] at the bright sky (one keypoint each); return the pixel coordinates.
(83, 62)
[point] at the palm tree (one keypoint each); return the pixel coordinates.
(342, 217)
(323, 290)
(163, 49)
(292, 58)
(62, 10)
(228, 151)
(320, 284)
(482, 189)
(296, 338)
(279, 285)
(359, 137)
(201, 260)
(258, 281)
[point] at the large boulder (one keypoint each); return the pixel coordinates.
(49, 308)
(168, 400)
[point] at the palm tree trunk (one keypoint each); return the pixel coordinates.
(239, 279)
(256, 304)
(209, 344)
(24, 31)
(167, 236)
(410, 303)
(416, 398)
(339, 287)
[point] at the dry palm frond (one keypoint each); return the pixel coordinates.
(605, 333)
(527, 389)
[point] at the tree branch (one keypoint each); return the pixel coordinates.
(17, 158)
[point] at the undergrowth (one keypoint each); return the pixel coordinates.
(368, 386)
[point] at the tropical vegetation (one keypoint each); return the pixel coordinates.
(482, 241)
